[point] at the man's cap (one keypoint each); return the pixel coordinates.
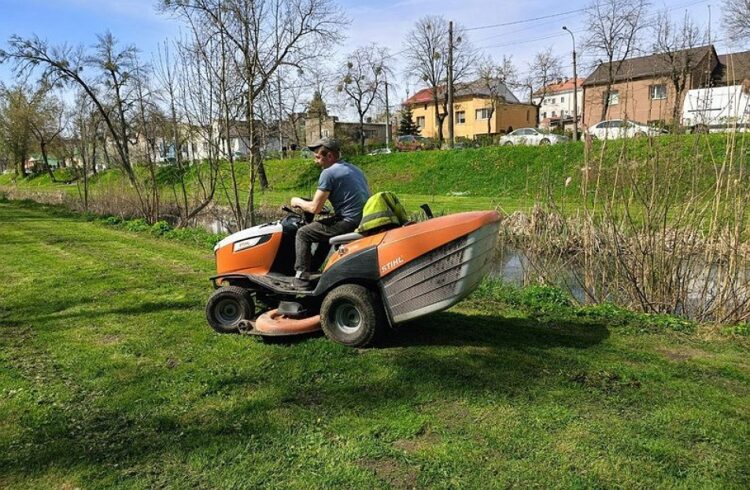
(330, 143)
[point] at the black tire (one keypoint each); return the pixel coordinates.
(227, 307)
(640, 134)
(352, 315)
(545, 141)
(507, 143)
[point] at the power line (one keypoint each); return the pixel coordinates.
(524, 20)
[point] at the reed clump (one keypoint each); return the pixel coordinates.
(654, 231)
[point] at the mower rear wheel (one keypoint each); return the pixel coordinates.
(352, 315)
(227, 307)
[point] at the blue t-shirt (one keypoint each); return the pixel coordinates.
(348, 190)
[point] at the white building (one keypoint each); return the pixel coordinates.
(555, 102)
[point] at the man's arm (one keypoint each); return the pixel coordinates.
(313, 206)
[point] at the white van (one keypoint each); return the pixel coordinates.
(717, 109)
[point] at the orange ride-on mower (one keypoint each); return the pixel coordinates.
(369, 283)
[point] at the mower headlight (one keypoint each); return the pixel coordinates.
(247, 243)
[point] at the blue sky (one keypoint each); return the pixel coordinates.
(384, 22)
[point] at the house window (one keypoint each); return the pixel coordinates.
(658, 92)
(562, 99)
(544, 115)
(483, 113)
(460, 117)
(420, 122)
(614, 98)
(553, 114)
(553, 101)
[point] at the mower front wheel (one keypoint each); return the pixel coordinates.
(352, 315)
(227, 307)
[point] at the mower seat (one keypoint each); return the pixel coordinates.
(339, 240)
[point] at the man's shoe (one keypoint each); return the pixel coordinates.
(302, 284)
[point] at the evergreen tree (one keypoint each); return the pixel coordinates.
(407, 125)
(317, 108)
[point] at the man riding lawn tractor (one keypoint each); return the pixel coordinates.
(345, 186)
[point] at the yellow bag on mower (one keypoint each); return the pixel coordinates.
(382, 210)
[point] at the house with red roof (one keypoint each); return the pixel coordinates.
(478, 109)
(555, 102)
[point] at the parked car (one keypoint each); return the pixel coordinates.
(532, 136)
(380, 151)
(621, 128)
(411, 142)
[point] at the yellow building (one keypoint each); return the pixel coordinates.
(474, 114)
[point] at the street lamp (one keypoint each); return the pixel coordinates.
(575, 87)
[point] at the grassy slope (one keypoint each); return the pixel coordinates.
(511, 178)
(109, 376)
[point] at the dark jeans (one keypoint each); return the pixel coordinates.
(318, 232)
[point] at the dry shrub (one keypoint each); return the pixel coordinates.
(655, 233)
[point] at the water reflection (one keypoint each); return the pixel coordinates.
(695, 289)
(514, 266)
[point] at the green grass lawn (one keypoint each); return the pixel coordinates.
(110, 377)
(511, 178)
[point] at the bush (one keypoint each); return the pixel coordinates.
(112, 220)
(160, 228)
(542, 299)
(139, 224)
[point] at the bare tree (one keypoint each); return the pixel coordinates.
(614, 27)
(495, 79)
(172, 74)
(110, 91)
(545, 69)
(427, 60)
(736, 16)
(675, 44)
(15, 125)
(362, 75)
(47, 123)
(266, 35)
(86, 131)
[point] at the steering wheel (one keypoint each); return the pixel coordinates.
(307, 217)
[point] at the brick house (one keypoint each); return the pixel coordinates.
(734, 68)
(643, 89)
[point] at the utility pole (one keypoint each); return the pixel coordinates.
(281, 116)
(387, 117)
(450, 84)
(575, 87)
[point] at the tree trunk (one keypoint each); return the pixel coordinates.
(438, 121)
(45, 159)
(362, 134)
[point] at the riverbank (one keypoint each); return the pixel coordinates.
(110, 376)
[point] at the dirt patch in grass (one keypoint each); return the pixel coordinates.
(394, 473)
(418, 443)
(682, 354)
(605, 382)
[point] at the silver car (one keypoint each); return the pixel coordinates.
(621, 128)
(532, 136)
